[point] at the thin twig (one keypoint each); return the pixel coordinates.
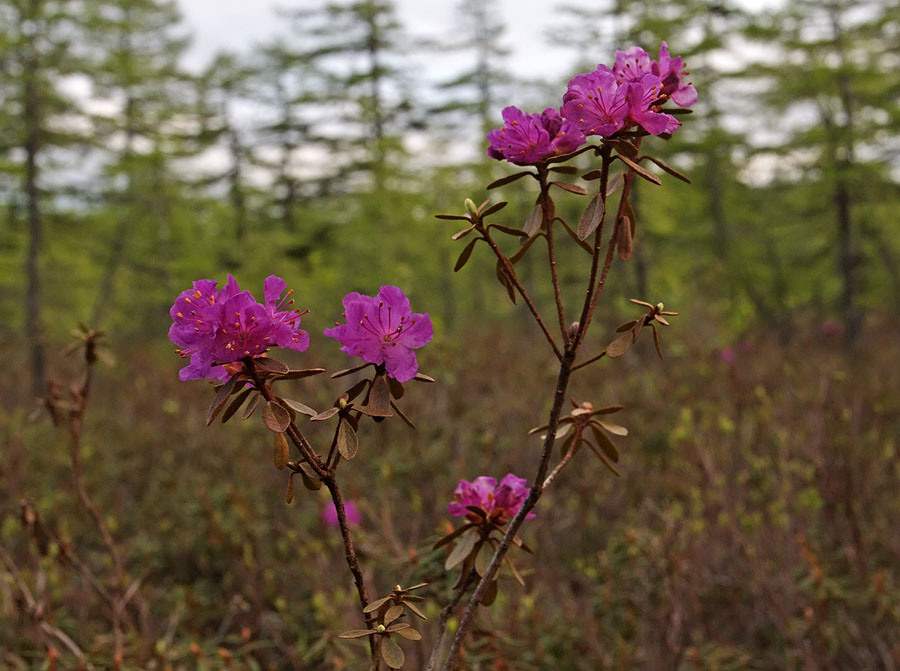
(531, 500)
(547, 224)
(562, 464)
(518, 285)
(589, 361)
(446, 613)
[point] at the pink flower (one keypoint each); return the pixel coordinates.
(215, 327)
(829, 328)
(384, 330)
(351, 511)
(499, 502)
(595, 102)
(727, 354)
(529, 138)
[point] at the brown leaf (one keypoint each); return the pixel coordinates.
(591, 217)
(275, 417)
(268, 365)
(251, 407)
(297, 406)
(624, 242)
(509, 230)
(282, 452)
(220, 399)
(375, 605)
(603, 441)
(459, 235)
(534, 221)
(464, 256)
(453, 217)
(379, 403)
(300, 374)
(606, 462)
(409, 634)
(656, 342)
(490, 593)
(402, 415)
(392, 613)
(614, 429)
(462, 550)
(571, 188)
(391, 653)
(357, 633)
(236, 404)
(396, 388)
(347, 440)
(668, 169)
(640, 170)
(619, 346)
(507, 180)
(348, 371)
(496, 207)
(325, 415)
(290, 489)
(452, 535)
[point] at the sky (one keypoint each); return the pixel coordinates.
(239, 24)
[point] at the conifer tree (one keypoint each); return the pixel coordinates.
(36, 36)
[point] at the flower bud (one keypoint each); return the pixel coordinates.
(471, 207)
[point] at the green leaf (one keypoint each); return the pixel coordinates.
(464, 256)
(275, 417)
(220, 399)
(391, 653)
(462, 550)
(282, 451)
(347, 440)
(503, 181)
(591, 217)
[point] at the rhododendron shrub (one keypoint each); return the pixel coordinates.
(227, 336)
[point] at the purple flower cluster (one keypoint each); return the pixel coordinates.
(499, 501)
(383, 330)
(529, 138)
(215, 327)
(602, 102)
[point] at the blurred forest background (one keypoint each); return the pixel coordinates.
(755, 525)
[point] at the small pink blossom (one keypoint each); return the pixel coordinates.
(383, 330)
(528, 138)
(500, 502)
(351, 511)
(727, 354)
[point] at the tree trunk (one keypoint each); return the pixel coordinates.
(32, 111)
